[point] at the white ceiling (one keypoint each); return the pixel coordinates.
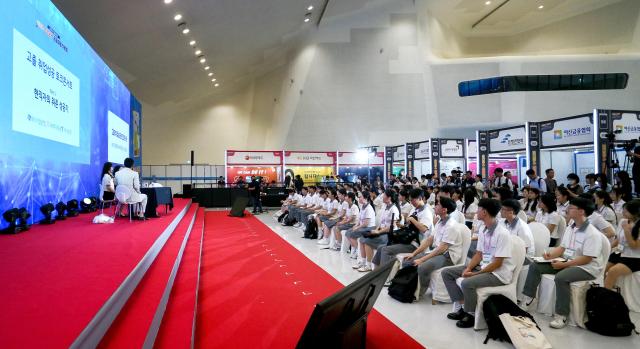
(140, 40)
(515, 17)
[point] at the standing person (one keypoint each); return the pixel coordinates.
(490, 266)
(287, 181)
(534, 181)
(623, 182)
(574, 187)
(635, 170)
(298, 183)
(108, 189)
(550, 180)
(254, 192)
(129, 178)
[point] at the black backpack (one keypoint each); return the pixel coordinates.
(493, 307)
(607, 313)
(282, 216)
(289, 220)
(403, 285)
(311, 232)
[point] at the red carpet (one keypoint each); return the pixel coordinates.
(177, 324)
(57, 277)
(257, 291)
(130, 328)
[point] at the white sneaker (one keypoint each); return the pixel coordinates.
(323, 241)
(527, 303)
(358, 265)
(298, 224)
(558, 322)
(365, 268)
(353, 255)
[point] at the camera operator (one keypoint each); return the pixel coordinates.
(635, 170)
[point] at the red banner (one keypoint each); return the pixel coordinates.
(269, 173)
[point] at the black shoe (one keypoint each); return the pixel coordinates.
(458, 315)
(467, 321)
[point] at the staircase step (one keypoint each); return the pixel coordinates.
(138, 321)
(178, 325)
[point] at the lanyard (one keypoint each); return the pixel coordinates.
(487, 238)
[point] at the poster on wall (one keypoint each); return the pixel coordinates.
(135, 144)
(310, 174)
(505, 164)
(351, 173)
(448, 165)
(576, 130)
(309, 158)
(360, 158)
(451, 148)
(244, 157)
(507, 140)
(268, 173)
(472, 149)
(422, 150)
(626, 125)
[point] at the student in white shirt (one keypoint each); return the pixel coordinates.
(549, 216)
(349, 219)
(331, 211)
(500, 180)
(517, 226)
(405, 205)
(581, 248)
(457, 198)
(469, 205)
(603, 206)
(562, 197)
(530, 205)
(378, 237)
(420, 220)
(445, 245)
(366, 223)
(627, 261)
(478, 184)
(491, 265)
(617, 200)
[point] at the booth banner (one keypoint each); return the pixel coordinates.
(601, 147)
(626, 125)
(506, 164)
(422, 150)
(451, 148)
(410, 158)
(448, 165)
(310, 174)
(351, 173)
(507, 140)
(135, 141)
(576, 130)
(309, 158)
(388, 162)
(235, 157)
(399, 154)
(533, 154)
(269, 173)
(435, 156)
(482, 138)
(349, 158)
(472, 149)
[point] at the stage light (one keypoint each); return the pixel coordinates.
(46, 210)
(85, 206)
(60, 208)
(11, 216)
(72, 208)
(23, 216)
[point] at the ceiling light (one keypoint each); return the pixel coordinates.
(540, 7)
(202, 60)
(192, 43)
(306, 20)
(487, 3)
(207, 68)
(310, 8)
(185, 31)
(177, 17)
(210, 74)
(198, 52)
(168, 1)
(216, 85)
(213, 80)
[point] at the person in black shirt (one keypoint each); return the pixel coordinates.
(635, 170)
(254, 192)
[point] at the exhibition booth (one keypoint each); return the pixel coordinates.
(419, 158)
(312, 166)
(472, 156)
(244, 164)
(450, 155)
(504, 148)
(365, 162)
(394, 160)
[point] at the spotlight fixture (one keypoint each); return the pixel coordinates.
(192, 43)
(23, 216)
(306, 20)
(72, 208)
(216, 85)
(210, 74)
(85, 205)
(202, 60)
(198, 52)
(540, 7)
(185, 31)
(11, 216)
(177, 17)
(167, 2)
(213, 80)
(183, 27)
(207, 68)
(46, 210)
(310, 8)
(487, 2)
(60, 208)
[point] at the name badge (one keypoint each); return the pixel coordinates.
(486, 259)
(569, 254)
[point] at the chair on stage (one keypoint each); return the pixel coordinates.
(123, 195)
(103, 201)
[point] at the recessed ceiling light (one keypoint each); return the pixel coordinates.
(192, 43)
(540, 7)
(202, 60)
(210, 74)
(487, 3)
(213, 80)
(306, 20)
(185, 31)
(216, 85)
(310, 8)
(168, 1)
(198, 52)
(207, 68)
(177, 17)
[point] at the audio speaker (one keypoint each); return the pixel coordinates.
(237, 210)
(193, 158)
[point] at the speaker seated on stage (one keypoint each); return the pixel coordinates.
(129, 178)
(107, 187)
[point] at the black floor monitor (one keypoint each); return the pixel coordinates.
(237, 210)
(340, 321)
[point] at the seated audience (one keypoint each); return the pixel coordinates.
(366, 223)
(517, 226)
(604, 208)
(574, 187)
(378, 237)
(626, 258)
(549, 216)
(349, 220)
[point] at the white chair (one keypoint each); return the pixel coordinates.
(541, 239)
(630, 290)
(123, 195)
(438, 290)
(522, 215)
(101, 199)
(562, 226)
(547, 291)
(518, 254)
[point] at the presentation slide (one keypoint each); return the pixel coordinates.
(63, 112)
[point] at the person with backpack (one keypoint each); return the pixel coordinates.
(626, 258)
(445, 245)
(534, 181)
(580, 250)
(490, 266)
